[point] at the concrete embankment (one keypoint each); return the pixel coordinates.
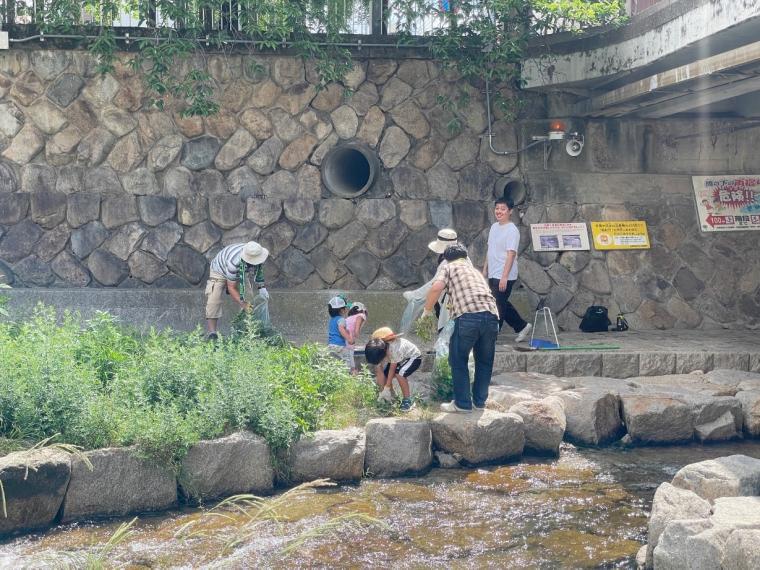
(526, 414)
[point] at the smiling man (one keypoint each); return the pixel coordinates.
(501, 267)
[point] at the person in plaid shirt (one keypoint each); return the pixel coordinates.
(476, 325)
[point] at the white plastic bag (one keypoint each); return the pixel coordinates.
(415, 305)
(441, 345)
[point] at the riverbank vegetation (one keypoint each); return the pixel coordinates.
(98, 384)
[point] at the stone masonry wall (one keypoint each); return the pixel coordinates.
(99, 189)
(641, 170)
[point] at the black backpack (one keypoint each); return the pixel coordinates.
(595, 319)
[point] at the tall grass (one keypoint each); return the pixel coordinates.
(98, 384)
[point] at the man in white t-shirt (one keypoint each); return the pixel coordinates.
(501, 267)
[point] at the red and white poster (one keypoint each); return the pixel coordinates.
(727, 203)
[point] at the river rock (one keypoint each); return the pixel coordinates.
(397, 446)
(702, 543)
(13, 208)
(544, 424)
(118, 484)
(34, 484)
(657, 418)
(592, 415)
(333, 454)
(731, 476)
(25, 145)
(480, 437)
(237, 463)
(750, 401)
(742, 551)
(678, 548)
(672, 503)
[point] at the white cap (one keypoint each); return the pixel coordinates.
(446, 237)
(254, 254)
(337, 302)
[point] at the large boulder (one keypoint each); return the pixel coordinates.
(237, 463)
(592, 416)
(397, 446)
(544, 424)
(742, 551)
(332, 454)
(672, 503)
(34, 483)
(658, 418)
(703, 543)
(479, 437)
(731, 476)
(687, 545)
(119, 483)
(750, 401)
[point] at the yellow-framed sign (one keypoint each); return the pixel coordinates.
(620, 235)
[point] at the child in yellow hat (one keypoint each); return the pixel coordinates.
(393, 357)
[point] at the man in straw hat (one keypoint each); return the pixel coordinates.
(227, 273)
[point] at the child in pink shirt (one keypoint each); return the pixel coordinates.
(357, 316)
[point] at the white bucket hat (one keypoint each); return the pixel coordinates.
(254, 254)
(446, 237)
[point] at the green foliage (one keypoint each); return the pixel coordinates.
(440, 380)
(99, 384)
(480, 38)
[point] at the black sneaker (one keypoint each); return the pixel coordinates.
(212, 336)
(406, 405)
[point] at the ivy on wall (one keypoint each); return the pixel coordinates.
(481, 39)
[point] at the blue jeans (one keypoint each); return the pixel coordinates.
(476, 332)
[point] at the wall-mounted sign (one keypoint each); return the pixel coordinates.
(727, 203)
(620, 235)
(559, 236)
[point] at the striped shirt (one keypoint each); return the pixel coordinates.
(227, 263)
(467, 289)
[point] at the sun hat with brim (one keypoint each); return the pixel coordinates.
(254, 254)
(385, 333)
(337, 302)
(446, 237)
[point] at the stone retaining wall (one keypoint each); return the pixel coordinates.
(98, 189)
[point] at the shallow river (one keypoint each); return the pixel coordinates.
(587, 509)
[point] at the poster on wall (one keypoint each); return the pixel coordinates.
(727, 203)
(559, 236)
(620, 235)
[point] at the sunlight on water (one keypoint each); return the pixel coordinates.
(587, 509)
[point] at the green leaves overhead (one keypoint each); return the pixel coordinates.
(480, 38)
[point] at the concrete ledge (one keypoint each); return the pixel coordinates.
(300, 315)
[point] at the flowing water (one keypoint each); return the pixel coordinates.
(587, 509)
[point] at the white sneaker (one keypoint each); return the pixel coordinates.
(452, 407)
(525, 333)
(407, 295)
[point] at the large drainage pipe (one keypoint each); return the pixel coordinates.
(511, 188)
(349, 170)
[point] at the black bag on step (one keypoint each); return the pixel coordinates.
(595, 319)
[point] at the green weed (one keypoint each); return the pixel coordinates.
(98, 383)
